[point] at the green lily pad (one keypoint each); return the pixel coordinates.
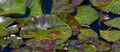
(16, 42)
(9, 7)
(78, 46)
(38, 45)
(4, 43)
(35, 6)
(89, 36)
(71, 21)
(107, 5)
(89, 48)
(85, 18)
(113, 23)
(110, 36)
(86, 33)
(4, 22)
(10, 30)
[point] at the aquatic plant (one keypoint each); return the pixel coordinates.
(70, 26)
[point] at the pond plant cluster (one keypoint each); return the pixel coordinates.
(25, 26)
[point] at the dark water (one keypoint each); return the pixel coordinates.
(46, 7)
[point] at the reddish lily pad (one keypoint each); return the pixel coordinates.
(16, 42)
(71, 21)
(62, 33)
(61, 6)
(3, 43)
(116, 46)
(76, 2)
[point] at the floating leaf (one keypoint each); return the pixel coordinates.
(61, 6)
(113, 23)
(62, 33)
(27, 49)
(116, 46)
(35, 6)
(74, 24)
(4, 43)
(85, 48)
(12, 29)
(100, 3)
(107, 5)
(110, 36)
(15, 41)
(89, 36)
(76, 2)
(44, 45)
(104, 46)
(4, 22)
(85, 18)
(9, 30)
(86, 33)
(9, 7)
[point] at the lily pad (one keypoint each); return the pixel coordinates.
(110, 36)
(107, 5)
(55, 33)
(4, 22)
(71, 21)
(89, 48)
(35, 6)
(16, 42)
(76, 2)
(104, 46)
(61, 6)
(4, 43)
(113, 22)
(116, 46)
(38, 45)
(44, 45)
(85, 48)
(85, 18)
(10, 30)
(9, 7)
(78, 46)
(74, 24)
(86, 33)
